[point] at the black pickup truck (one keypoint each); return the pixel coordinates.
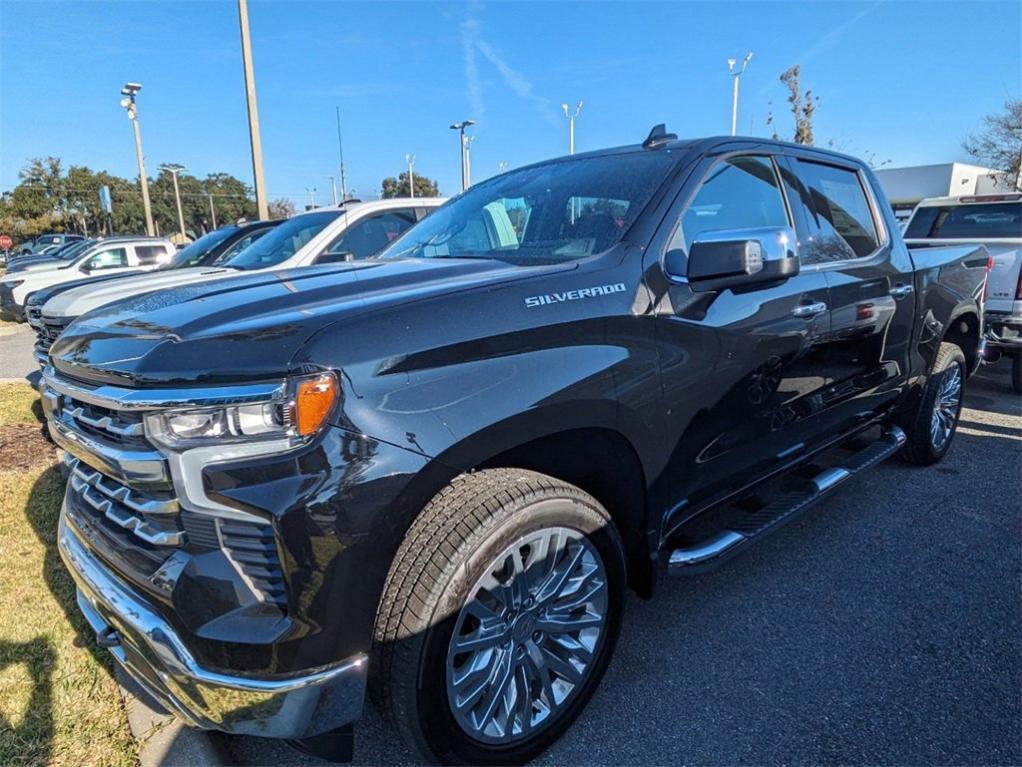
(431, 476)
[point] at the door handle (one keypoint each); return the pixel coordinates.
(900, 290)
(810, 310)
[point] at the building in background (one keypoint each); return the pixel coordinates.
(905, 187)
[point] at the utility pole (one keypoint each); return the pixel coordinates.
(253, 114)
(129, 91)
(212, 210)
(410, 159)
(571, 124)
(736, 75)
(333, 189)
(173, 169)
(463, 142)
(340, 152)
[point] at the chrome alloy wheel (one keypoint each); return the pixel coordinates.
(526, 638)
(945, 407)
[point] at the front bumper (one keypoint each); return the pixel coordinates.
(152, 652)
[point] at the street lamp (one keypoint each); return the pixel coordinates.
(463, 142)
(501, 166)
(410, 159)
(571, 124)
(735, 76)
(173, 169)
(312, 197)
(333, 189)
(129, 91)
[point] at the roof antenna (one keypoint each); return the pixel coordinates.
(658, 137)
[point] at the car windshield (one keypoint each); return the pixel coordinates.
(73, 249)
(284, 241)
(194, 254)
(970, 221)
(558, 211)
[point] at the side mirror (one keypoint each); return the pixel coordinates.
(334, 257)
(739, 257)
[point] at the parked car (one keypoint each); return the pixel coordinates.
(436, 471)
(995, 220)
(206, 251)
(43, 241)
(66, 252)
(122, 255)
(356, 230)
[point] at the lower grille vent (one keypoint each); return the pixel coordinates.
(254, 552)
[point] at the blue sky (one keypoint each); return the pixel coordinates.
(905, 81)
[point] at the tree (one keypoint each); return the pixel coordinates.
(999, 144)
(803, 107)
(281, 208)
(398, 187)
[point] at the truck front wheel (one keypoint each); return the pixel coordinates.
(931, 427)
(499, 616)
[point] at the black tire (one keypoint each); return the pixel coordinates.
(1016, 373)
(920, 448)
(450, 546)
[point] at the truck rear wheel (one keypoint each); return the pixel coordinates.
(499, 616)
(931, 428)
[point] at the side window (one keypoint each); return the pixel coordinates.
(369, 236)
(741, 193)
(840, 221)
(150, 254)
(107, 259)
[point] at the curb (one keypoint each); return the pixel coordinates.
(164, 740)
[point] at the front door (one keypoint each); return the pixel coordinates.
(740, 367)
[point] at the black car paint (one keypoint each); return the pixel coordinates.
(445, 367)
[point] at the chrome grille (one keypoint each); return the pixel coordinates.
(46, 330)
(152, 519)
(122, 427)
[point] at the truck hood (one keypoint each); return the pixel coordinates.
(249, 327)
(42, 296)
(79, 300)
(45, 271)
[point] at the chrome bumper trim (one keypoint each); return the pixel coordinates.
(152, 652)
(145, 466)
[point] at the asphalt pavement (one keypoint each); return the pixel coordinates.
(16, 360)
(884, 627)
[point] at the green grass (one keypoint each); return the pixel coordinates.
(59, 704)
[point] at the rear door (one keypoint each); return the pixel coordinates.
(740, 368)
(848, 236)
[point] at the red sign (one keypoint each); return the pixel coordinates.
(6, 243)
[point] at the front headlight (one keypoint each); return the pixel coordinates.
(295, 415)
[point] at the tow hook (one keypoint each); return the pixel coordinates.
(108, 637)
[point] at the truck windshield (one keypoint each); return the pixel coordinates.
(194, 254)
(284, 241)
(559, 211)
(72, 249)
(968, 221)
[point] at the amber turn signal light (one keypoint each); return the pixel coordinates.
(313, 400)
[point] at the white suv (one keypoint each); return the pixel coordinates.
(108, 257)
(355, 230)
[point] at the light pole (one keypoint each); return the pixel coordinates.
(410, 159)
(501, 166)
(735, 76)
(212, 210)
(571, 124)
(173, 169)
(333, 189)
(340, 152)
(463, 142)
(129, 91)
(253, 114)
(312, 197)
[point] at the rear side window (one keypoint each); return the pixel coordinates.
(838, 214)
(972, 221)
(150, 254)
(740, 193)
